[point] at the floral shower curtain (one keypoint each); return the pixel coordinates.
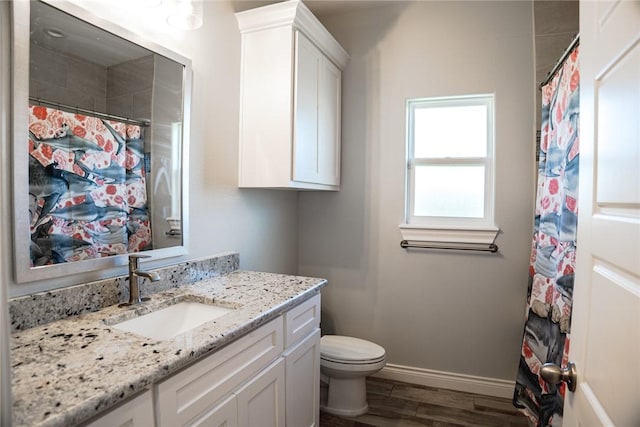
(553, 249)
(87, 187)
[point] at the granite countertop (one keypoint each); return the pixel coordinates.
(67, 371)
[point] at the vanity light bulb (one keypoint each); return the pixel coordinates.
(187, 15)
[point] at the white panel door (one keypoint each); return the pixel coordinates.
(605, 334)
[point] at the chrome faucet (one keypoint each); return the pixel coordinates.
(134, 274)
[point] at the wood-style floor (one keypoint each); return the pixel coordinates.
(397, 404)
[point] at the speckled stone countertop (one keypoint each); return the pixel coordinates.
(67, 371)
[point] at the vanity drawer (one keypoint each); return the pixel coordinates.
(194, 390)
(300, 321)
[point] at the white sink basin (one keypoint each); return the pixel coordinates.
(173, 320)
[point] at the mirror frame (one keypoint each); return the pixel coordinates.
(20, 14)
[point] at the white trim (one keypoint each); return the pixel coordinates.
(448, 380)
(475, 235)
(5, 221)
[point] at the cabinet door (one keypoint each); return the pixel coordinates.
(329, 119)
(302, 373)
(137, 412)
(223, 415)
(261, 401)
(199, 387)
(316, 148)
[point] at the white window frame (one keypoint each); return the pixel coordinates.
(451, 229)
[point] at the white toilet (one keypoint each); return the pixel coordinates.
(345, 362)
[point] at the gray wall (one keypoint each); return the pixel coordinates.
(434, 310)
(260, 225)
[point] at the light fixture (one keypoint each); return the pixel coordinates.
(187, 15)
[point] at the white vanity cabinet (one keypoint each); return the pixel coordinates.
(269, 377)
(260, 402)
(200, 392)
(136, 412)
(290, 100)
(302, 364)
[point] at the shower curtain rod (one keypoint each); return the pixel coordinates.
(556, 67)
(84, 111)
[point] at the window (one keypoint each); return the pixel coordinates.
(450, 165)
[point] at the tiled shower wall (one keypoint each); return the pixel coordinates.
(51, 75)
(555, 25)
(123, 90)
(129, 88)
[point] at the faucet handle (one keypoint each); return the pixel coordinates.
(134, 260)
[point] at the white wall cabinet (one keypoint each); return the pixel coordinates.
(290, 101)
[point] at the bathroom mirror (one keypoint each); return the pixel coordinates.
(100, 134)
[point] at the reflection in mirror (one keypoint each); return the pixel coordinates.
(102, 171)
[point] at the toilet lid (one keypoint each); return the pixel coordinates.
(339, 348)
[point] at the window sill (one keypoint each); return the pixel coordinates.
(456, 235)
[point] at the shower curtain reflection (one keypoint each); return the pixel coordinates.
(87, 187)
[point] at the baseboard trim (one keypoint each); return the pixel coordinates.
(449, 380)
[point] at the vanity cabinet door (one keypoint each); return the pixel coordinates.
(316, 148)
(223, 415)
(302, 371)
(137, 412)
(201, 386)
(261, 402)
(258, 403)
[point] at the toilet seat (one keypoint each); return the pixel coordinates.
(349, 350)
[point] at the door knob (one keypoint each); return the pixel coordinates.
(554, 374)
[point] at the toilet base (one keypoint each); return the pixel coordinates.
(346, 397)
(345, 412)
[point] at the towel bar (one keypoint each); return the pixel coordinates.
(482, 247)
